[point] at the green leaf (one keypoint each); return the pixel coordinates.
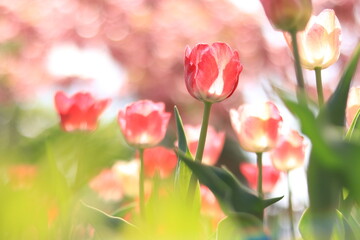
(334, 111)
(239, 226)
(107, 217)
(353, 132)
(183, 173)
(323, 225)
(233, 196)
(313, 130)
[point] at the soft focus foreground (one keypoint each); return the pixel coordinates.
(91, 148)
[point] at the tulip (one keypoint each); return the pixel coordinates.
(127, 173)
(79, 112)
(319, 43)
(213, 145)
(143, 123)
(257, 126)
(289, 152)
(269, 178)
(288, 15)
(353, 104)
(107, 185)
(161, 160)
(211, 71)
(210, 206)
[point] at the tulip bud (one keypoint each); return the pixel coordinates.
(288, 15)
(144, 123)
(79, 112)
(211, 71)
(257, 126)
(289, 152)
(319, 43)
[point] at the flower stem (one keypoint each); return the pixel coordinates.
(319, 86)
(299, 75)
(259, 180)
(141, 183)
(200, 147)
(290, 208)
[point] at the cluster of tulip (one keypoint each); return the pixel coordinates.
(211, 76)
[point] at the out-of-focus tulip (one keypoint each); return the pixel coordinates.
(288, 15)
(128, 175)
(79, 112)
(319, 43)
(270, 176)
(213, 146)
(22, 176)
(353, 104)
(144, 123)
(257, 126)
(211, 71)
(289, 152)
(161, 160)
(210, 205)
(107, 185)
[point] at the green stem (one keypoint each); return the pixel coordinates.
(319, 86)
(260, 174)
(141, 183)
(299, 75)
(200, 147)
(290, 208)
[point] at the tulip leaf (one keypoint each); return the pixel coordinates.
(183, 173)
(99, 214)
(353, 132)
(312, 129)
(233, 196)
(323, 225)
(240, 226)
(334, 112)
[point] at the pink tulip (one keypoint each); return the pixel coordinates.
(288, 15)
(211, 71)
(257, 126)
(319, 43)
(161, 160)
(143, 123)
(79, 112)
(289, 152)
(269, 178)
(213, 146)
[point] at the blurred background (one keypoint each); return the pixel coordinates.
(128, 50)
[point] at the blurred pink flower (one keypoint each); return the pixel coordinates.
(22, 175)
(107, 185)
(269, 179)
(144, 123)
(212, 71)
(288, 15)
(79, 112)
(257, 126)
(213, 146)
(289, 152)
(127, 173)
(210, 206)
(161, 160)
(353, 104)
